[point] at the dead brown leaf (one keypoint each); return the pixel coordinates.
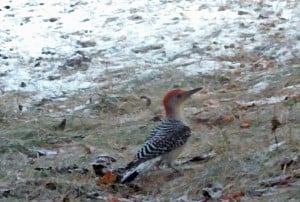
(245, 123)
(231, 85)
(235, 196)
(245, 106)
(148, 100)
(157, 118)
(237, 72)
(263, 64)
(224, 119)
(66, 199)
(275, 124)
(296, 173)
(62, 125)
(114, 199)
(212, 103)
(88, 149)
(297, 98)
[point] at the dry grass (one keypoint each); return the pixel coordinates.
(113, 120)
(117, 122)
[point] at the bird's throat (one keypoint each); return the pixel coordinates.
(176, 113)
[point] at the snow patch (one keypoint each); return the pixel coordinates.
(264, 101)
(38, 38)
(259, 87)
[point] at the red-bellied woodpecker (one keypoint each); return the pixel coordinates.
(166, 140)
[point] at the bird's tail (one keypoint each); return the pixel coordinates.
(133, 169)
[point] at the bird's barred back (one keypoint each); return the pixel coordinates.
(168, 135)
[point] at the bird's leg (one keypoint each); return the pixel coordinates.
(175, 169)
(158, 164)
(166, 163)
(170, 165)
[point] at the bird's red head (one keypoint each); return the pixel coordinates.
(172, 94)
(173, 100)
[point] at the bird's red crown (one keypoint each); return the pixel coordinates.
(170, 94)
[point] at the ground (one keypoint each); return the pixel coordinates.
(73, 73)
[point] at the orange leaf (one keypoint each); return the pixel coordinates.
(228, 118)
(113, 200)
(108, 178)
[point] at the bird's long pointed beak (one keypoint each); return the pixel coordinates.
(188, 94)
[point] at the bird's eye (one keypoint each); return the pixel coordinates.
(179, 96)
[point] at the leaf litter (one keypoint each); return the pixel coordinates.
(76, 81)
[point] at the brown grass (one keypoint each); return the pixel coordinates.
(117, 122)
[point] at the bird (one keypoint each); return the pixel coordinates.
(166, 140)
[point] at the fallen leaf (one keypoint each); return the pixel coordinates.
(51, 185)
(258, 192)
(102, 163)
(157, 118)
(148, 100)
(201, 157)
(231, 86)
(113, 200)
(99, 169)
(224, 119)
(66, 199)
(296, 173)
(203, 120)
(245, 123)
(246, 106)
(262, 64)
(275, 124)
(235, 196)
(212, 103)
(297, 98)
(88, 149)
(66, 169)
(286, 162)
(279, 180)
(108, 178)
(62, 125)
(237, 72)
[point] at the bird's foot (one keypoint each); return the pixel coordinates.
(176, 170)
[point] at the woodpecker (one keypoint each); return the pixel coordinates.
(167, 140)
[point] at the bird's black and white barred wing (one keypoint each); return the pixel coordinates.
(168, 135)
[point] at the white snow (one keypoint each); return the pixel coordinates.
(263, 101)
(184, 29)
(259, 87)
(275, 146)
